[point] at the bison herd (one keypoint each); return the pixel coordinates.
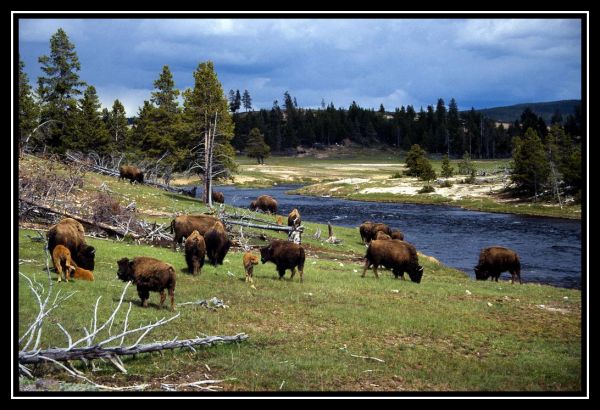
(206, 238)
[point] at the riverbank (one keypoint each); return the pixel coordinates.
(371, 176)
(448, 333)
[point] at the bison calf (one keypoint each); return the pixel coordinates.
(61, 256)
(397, 235)
(249, 261)
(495, 260)
(195, 250)
(285, 255)
(149, 274)
(397, 255)
(83, 274)
(218, 197)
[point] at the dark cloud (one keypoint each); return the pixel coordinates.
(390, 61)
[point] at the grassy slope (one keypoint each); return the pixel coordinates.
(432, 336)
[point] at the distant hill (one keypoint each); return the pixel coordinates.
(543, 109)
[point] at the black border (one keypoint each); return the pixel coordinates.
(583, 17)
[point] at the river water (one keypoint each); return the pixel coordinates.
(549, 248)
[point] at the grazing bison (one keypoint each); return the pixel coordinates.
(69, 233)
(381, 236)
(285, 255)
(368, 230)
(184, 225)
(218, 197)
(133, 174)
(250, 260)
(149, 274)
(294, 218)
(195, 250)
(397, 235)
(61, 256)
(397, 255)
(217, 244)
(495, 260)
(265, 203)
(83, 274)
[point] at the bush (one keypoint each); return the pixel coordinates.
(447, 170)
(426, 189)
(446, 184)
(397, 175)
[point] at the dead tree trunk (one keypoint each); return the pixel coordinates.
(97, 352)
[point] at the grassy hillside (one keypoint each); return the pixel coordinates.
(544, 109)
(449, 333)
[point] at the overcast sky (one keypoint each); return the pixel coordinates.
(394, 62)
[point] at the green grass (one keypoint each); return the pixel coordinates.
(432, 336)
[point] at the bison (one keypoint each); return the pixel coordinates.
(294, 218)
(399, 256)
(149, 274)
(61, 256)
(397, 235)
(83, 274)
(368, 230)
(218, 197)
(184, 225)
(217, 244)
(70, 233)
(249, 260)
(285, 255)
(190, 191)
(195, 250)
(381, 236)
(265, 203)
(495, 260)
(133, 174)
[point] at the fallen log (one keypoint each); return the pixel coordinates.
(111, 229)
(97, 352)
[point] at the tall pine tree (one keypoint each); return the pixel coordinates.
(58, 88)
(28, 109)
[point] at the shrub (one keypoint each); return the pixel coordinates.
(446, 184)
(398, 174)
(426, 189)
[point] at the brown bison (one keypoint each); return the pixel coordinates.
(133, 174)
(61, 256)
(397, 235)
(285, 255)
(218, 197)
(368, 230)
(381, 236)
(265, 203)
(149, 274)
(183, 226)
(83, 274)
(396, 255)
(495, 260)
(217, 244)
(249, 260)
(195, 250)
(190, 191)
(69, 233)
(294, 218)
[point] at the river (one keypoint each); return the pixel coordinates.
(549, 248)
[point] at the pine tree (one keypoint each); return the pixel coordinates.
(210, 121)
(530, 167)
(91, 131)
(256, 146)
(454, 128)
(447, 170)
(466, 167)
(166, 95)
(237, 101)
(247, 101)
(59, 87)
(28, 109)
(117, 125)
(418, 165)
